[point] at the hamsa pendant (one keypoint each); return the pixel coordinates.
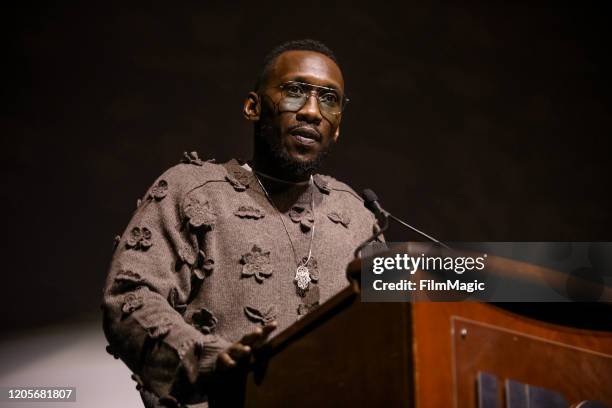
(302, 277)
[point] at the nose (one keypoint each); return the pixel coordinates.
(310, 111)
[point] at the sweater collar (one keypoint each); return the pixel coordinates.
(240, 169)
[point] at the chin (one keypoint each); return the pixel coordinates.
(300, 158)
(292, 160)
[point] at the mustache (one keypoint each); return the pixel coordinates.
(304, 125)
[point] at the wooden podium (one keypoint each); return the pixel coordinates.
(460, 354)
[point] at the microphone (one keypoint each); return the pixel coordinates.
(371, 202)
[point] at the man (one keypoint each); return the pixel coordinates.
(217, 256)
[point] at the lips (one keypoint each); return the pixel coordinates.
(306, 135)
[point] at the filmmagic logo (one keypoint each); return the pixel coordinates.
(430, 285)
(405, 267)
(405, 262)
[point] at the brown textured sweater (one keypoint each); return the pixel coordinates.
(206, 258)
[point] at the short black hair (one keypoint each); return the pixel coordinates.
(293, 45)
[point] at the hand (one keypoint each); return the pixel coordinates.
(241, 351)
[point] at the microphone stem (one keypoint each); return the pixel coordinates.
(375, 235)
(429, 237)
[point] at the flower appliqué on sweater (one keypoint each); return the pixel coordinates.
(239, 178)
(303, 216)
(322, 184)
(139, 238)
(186, 255)
(304, 308)
(131, 303)
(339, 218)
(261, 316)
(159, 190)
(248, 211)
(256, 263)
(110, 350)
(200, 213)
(192, 158)
(116, 241)
(138, 380)
(309, 301)
(204, 321)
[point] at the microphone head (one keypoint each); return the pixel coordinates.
(369, 198)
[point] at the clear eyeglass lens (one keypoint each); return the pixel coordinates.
(295, 96)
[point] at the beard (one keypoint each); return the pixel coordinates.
(268, 145)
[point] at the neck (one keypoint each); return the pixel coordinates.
(291, 192)
(268, 168)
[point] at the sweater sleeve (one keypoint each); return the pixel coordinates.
(156, 266)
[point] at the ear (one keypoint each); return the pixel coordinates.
(337, 134)
(252, 107)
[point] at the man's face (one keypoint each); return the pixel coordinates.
(305, 135)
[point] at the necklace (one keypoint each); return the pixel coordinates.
(302, 274)
(295, 183)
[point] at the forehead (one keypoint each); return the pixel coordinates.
(306, 66)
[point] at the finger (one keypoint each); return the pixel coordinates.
(252, 337)
(238, 351)
(265, 332)
(225, 361)
(269, 328)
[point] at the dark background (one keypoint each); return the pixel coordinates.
(483, 122)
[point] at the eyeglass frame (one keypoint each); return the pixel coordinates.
(314, 88)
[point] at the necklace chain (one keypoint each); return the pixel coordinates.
(312, 231)
(295, 183)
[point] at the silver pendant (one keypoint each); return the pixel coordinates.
(302, 277)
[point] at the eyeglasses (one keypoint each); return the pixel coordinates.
(295, 95)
